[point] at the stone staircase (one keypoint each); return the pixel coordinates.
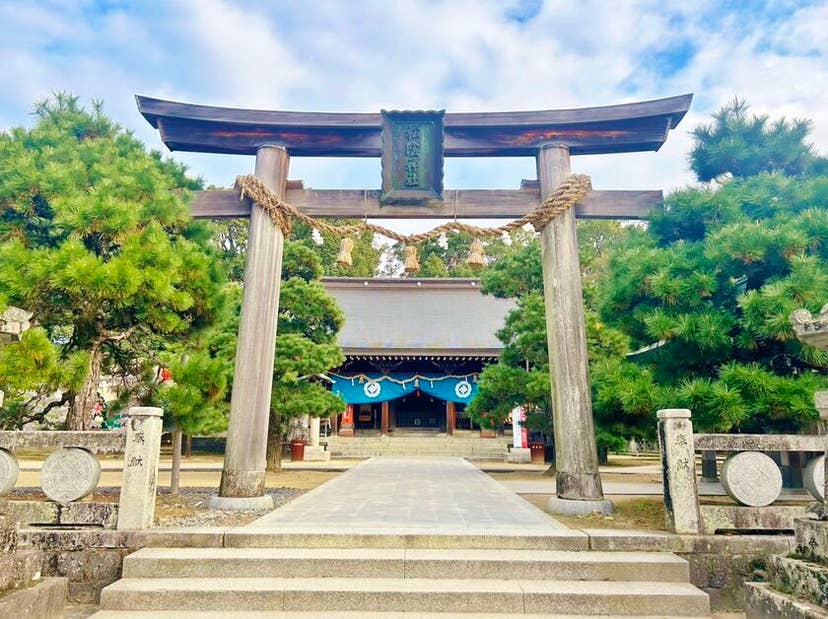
(797, 586)
(470, 446)
(365, 581)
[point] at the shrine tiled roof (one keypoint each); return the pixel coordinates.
(415, 317)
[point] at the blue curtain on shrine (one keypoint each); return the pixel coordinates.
(376, 387)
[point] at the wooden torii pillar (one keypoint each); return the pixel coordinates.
(551, 137)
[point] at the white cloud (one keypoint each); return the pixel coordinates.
(460, 55)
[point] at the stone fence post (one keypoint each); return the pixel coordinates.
(678, 463)
(136, 509)
(821, 404)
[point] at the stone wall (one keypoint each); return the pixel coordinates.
(23, 590)
(719, 565)
(91, 559)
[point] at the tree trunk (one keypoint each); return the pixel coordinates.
(175, 474)
(188, 446)
(82, 408)
(274, 444)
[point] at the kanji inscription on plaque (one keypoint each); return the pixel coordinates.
(412, 157)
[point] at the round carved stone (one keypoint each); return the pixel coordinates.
(8, 471)
(69, 474)
(813, 477)
(751, 478)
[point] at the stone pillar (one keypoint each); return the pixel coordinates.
(136, 508)
(678, 464)
(821, 403)
(314, 431)
(244, 458)
(517, 437)
(576, 456)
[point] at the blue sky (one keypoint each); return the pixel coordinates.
(461, 55)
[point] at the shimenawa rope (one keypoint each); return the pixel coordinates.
(560, 200)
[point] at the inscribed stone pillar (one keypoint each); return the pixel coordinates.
(678, 470)
(575, 450)
(246, 451)
(136, 508)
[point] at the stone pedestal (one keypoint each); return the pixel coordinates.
(681, 497)
(136, 508)
(316, 454)
(519, 455)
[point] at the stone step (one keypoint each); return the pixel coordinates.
(763, 602)
(411, 594)
(423, 446)
(560, 539)
(401, 563)
(803, 579)
(345, 614)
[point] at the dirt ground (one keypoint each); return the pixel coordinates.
(630, 513)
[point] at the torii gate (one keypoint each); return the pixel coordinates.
(412, 146)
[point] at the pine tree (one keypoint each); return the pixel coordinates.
(715, 278)
(740, 145)
(95, 241)
(306, 347)
(521, 375)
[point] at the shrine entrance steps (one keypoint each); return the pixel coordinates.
(354, 582)
(412, 443)
(430, 537)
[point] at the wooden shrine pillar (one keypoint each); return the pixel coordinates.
(576, 456)
(244, 456)
(451, 418)
(386, 410)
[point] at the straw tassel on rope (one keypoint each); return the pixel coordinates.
(346, 245)
(477, 255)
(412, 265)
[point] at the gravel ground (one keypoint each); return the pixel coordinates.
(186, 509)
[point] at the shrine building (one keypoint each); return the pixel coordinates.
(414, 350)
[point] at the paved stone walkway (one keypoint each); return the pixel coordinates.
(386, 493)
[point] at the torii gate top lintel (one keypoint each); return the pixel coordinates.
(629, 127)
